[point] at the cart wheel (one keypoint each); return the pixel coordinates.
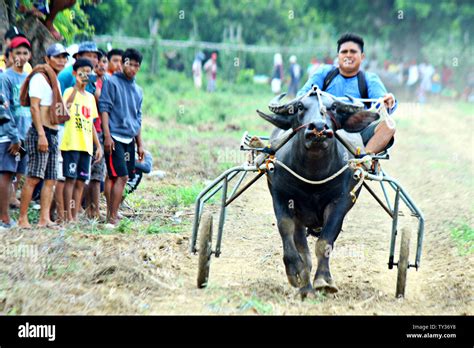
(205, 250)
(403, 262)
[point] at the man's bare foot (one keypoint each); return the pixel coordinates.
(23, 223)
(47, 223)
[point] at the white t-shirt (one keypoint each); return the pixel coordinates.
(40, 88)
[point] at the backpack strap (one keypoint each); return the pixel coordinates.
(361, 82)
(363, 90)
(329, 77)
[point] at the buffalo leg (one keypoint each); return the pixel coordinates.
(295, 267)
(301, 244)
(333, 217)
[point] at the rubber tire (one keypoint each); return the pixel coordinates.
(403, 262)
(205, 250)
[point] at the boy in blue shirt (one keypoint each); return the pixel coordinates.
(13, 133)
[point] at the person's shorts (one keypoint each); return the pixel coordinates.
(8, 162)
(98, 169)
(121, 161)
(43, 165)
(76, 164)
(22, 165)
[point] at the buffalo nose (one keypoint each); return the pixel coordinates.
(319, 126)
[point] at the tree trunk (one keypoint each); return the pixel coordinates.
(39, 37)
(3, 19)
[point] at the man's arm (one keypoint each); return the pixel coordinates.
(106, 103)
(98, 147)
(140, 149)
(376, 89)
(109, 145)
(11, 129)
(38, 124)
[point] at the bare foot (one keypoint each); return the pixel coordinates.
(23, 223)
(47, 223)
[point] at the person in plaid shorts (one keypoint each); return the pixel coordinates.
(41, 91)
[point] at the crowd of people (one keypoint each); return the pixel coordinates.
(69, 128)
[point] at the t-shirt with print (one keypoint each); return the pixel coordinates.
(40, 88)
(78, 130)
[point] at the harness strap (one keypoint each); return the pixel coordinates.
(311, 182)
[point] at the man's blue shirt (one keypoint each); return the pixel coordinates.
(341, 86)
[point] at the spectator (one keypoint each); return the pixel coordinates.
(295, 75)
(197, 70)
(277, 75)
(413, 77)
(426, 71)
(11, 85)
(79, 136)
(87, 50)
(121, 107)
(9, 36)
(140, 168)
(92, 190)
(211, 69)
(114, 57)
(41, 91)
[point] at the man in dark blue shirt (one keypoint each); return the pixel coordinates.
(348, 79)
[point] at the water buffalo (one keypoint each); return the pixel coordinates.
(314, 154)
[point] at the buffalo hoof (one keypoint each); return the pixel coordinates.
(297, 281)
(307, 293)
(321, 284)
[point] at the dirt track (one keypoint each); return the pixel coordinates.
(155, 274)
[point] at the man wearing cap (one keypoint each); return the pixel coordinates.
(9, 36)
(12, 80)
(41, 91)
(87, 50)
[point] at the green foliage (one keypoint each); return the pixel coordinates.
(125, 226)
(245, 76)
(171, 96)
(159, 226)
(73, 24)
(463, 235)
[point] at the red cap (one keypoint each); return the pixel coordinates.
(19, 40)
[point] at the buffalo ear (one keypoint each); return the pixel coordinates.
(282, 122)
(359, 121)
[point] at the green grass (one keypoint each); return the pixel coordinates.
(179, 196)
(159, 226)
(255, 305)
(463, 235)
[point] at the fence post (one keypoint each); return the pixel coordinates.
(154, 56)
